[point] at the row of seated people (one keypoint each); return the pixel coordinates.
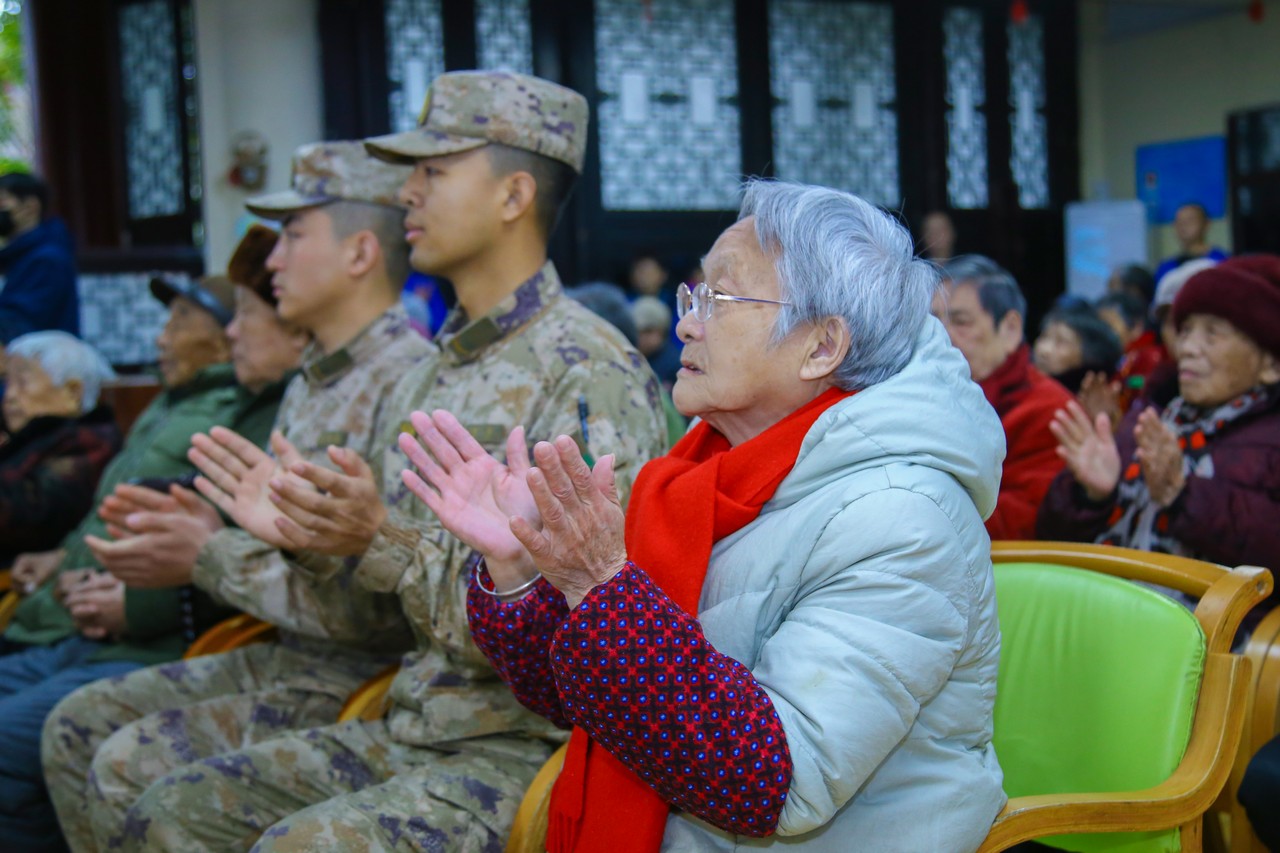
(1182, 470)
(849, 458)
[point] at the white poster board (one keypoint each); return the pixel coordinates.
(1102, 235)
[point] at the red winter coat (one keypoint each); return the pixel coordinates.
(1026, 400)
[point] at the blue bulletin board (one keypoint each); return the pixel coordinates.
(1171, 174)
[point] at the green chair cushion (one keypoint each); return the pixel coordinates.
(1097, 689)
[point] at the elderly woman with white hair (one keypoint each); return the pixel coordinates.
(58, 441)
(791, 634)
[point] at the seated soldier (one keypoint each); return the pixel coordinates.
(59, 440)
(337, 272)
(83, 625)
(495, 157)
(984, 311)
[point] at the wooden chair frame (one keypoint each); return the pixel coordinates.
(370, 700)
(231, 633)
(1261, 724)
(9, 599)
(1225, 596)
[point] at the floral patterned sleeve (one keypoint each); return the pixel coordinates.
(516, 638)
(636, 672)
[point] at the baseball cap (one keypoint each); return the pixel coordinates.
(468, 109)
(325, 172)
(215, 294)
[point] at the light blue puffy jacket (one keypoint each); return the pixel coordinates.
(862, 599)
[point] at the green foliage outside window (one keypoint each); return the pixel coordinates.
(16, 139)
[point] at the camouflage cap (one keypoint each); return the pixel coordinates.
(324, 172)
(468, 109)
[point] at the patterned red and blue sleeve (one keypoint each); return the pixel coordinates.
(636, 672)
(516, 638)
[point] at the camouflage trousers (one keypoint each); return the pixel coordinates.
(344, 787)
(107, 742)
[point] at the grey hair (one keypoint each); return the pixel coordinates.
(837, 255)
(998, 290)
(651, 313)
(65, 357)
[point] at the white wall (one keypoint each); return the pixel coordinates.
(1171, 84)
(259, 66)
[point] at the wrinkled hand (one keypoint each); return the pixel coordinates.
(1098, 396)
(331, 512)
(1160, 457)
(237, 476)
(31, 570)
(128, 499)
(68, 581)
(581, 543)
(1088, 448)
(97, 606)
(473, 494)
(159, 549)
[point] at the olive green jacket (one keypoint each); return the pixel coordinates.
(156, 447)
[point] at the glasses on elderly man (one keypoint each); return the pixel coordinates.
(702, 298)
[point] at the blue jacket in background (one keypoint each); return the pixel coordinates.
(40, 283)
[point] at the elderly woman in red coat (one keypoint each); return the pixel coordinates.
(1202, 477)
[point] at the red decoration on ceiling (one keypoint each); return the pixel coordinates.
(1019, 11)
(1256, 11)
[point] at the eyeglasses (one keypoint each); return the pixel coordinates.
(702, 298)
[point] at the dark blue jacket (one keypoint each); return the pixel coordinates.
(40, 283)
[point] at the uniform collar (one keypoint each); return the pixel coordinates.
(321, 369)
(462, 340)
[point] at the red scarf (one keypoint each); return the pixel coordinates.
(597, 803)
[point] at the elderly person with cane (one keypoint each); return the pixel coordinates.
(792, 630)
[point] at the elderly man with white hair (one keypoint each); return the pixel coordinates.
(791, 632)
(58, 441)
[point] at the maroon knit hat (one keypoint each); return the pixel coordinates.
(248, 264)
(1243, 291)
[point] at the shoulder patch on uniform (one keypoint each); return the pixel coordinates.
(335, 437)
(489, 435)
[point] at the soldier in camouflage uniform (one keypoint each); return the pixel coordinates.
(338, 268)
(447, 768)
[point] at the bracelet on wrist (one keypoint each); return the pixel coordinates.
(496, 593)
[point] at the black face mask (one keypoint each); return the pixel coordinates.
(6, 223)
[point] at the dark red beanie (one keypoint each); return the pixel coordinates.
(248, 264)
(1239, 291)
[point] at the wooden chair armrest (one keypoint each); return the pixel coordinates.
(215, 638)
(1263, 651)
(1224, 605)
(370, 701)
(529, 830)
(231, 633)
(9, 602)
(259, 632)
(1188, 792)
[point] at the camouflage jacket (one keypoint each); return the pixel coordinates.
(538, 359)
(335, 400)
(48, 472)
